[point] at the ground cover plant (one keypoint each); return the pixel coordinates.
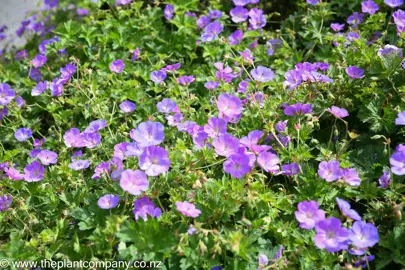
(238, 134)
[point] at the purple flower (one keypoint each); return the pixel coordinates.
(158, 76)
(243, 86)
(96, 126)
(229, 105)
(169, 12)
(51, 3)
(23, 134)
(211, 85)
(171, 68)
(293, 78)
(117, 66)
(279, 253)
(215, 127)
(203, 21)
(239, 14)
(148, 133)
(369, 7)
(268, 161)
(135, 54)
(226, 145)
(215, 14)
(154, 160)
(394, 3)
(337, 27)
(108, 201)
(262, 74)
(91, 140)
(397, 161)
(281, 126)
(330, 171)
(263, 261)
(6, 94)
(391, 50)
(399, 17)
(144, 207)
(236, 37)
(39, 61)
(355, 19)
(82, 12)
(47, 157)
(257, 19)
(188, 209)
(363, 235)
(185, 80)
(21, 55)
(191, 230)
(211, 31)
(101, 169)
(134, 182)
(166, 106)
(3, 112)
(241, 3)
(290, 169)
(298, 109)
(309, 214)
(247, 56)
(34, 172)
(400, 120)
(313, 2)
(79, 165)
(351, 177)
(5, 202)
(346, 210)
(384, 180)
(19, 101)
(56, 87)
(237, 165)
(13, 173)
(252, 138)
(363, 262)
(338, 112)
(331, 235)
(122, 2)
(355, 72)
(127, 106)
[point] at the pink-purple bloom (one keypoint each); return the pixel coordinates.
(237, 165)
(47, 157)
(331, 235)
(144, 207)
(229, 105)
(239, 14)
(154, 160)
(34, 172)
(385, 180)
(363, 235)
(309, 214)
(158, 76)
(330, 170)
(269, 162)
(355, 19)
(397, 161)
(185, 80)
(351, 177)
(298, 109)
(394, 3)
(13, 173)
(346, 210)
(79, 165)
(23, 134)
(169, 12)
(355, 72)
(369, 6)
(148, 133)
(6, 94)
(117, 66)
(188, 209)
(290, 169)
(337, 27)
(5, 202)
(127, 106)
(39, 61)
(134, 182)
(236, 37)
(262, 74)
(226, 145)
(166, 106)
(108, 201)
(338, 112)
(211, 31)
